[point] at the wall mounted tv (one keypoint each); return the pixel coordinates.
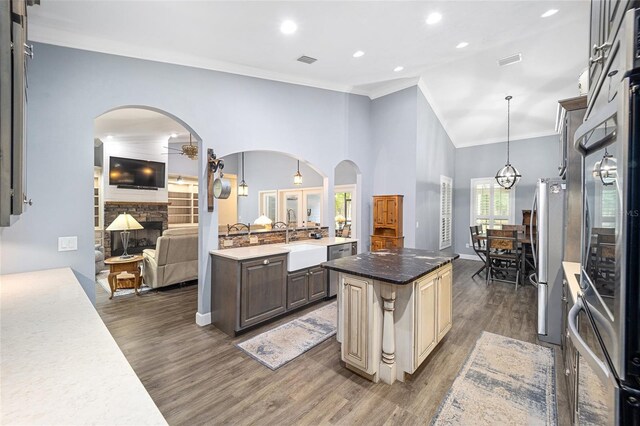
(136, 174)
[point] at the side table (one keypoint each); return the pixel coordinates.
(118, 265)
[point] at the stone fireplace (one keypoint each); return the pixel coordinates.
(154, 217)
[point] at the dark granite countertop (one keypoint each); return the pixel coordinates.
(397, 266)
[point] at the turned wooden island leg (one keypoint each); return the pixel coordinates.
(388, 361)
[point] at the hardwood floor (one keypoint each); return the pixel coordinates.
(197, 376)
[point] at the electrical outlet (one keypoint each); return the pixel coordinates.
(417, 224)
(253, 239)
(67, 243)
(228, 243)
(467, 245)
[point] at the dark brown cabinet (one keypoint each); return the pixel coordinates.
(297, 289)
(262, 290)
(14, 51)
(245, 293)
(306, 286)
(606, 19)
(317, 284)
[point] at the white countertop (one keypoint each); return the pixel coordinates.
(58, 362)
(570, 269)
(244, 253)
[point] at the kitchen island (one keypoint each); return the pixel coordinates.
(394, 307)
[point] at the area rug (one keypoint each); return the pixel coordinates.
(504, 381)
(101, 279)
(276, 347)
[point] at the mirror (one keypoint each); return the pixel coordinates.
(272, 193)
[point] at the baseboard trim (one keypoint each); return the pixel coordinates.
(470, 257)
(203, 319)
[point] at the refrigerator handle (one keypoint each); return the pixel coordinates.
(543, 232)
(542, 308)
(600, 368)
(534, 205)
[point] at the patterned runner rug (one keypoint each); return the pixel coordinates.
(276, 347)
(504, 381)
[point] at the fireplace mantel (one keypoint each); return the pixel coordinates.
(140, 210)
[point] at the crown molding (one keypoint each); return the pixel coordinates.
(392, 86)
(65, 39)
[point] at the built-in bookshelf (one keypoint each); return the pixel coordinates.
(183, 200)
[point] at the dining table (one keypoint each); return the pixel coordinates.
(524, 243)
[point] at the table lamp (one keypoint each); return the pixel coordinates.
(264, 221)
(124, 222)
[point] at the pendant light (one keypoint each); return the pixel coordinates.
(508, 176)
(297, 178)
(606, 169)
(243, 188)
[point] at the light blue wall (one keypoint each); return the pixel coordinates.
(68, 88)
(534, 158)
(393, 123)
(435, 156)
(181, 164)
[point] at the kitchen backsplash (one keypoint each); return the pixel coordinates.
(268, 237)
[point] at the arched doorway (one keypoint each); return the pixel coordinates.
(348, 199)
(145, 166)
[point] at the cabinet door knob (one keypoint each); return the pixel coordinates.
(265, 262)
(310, 273)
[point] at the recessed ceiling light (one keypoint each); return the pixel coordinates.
(434, 18)
(288, 27)
(398, 68)
(109, 137)
(174, 135)
(549, 12)
(358, 54)
(462, 45)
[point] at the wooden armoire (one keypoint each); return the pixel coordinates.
(387, 222)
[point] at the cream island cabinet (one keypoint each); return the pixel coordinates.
(394, 307)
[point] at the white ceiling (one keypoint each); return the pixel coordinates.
(465, 87)
(139, 125)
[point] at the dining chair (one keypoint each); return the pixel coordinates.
(527, 252)
(503, 255)
(478, 247)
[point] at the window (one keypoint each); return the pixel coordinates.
(446, 201)
(269, 204)
(345, 205)
(491, 205)
(608, 199)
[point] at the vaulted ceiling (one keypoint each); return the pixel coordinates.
(465, 86)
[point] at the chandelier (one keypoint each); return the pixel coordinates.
(508, 175)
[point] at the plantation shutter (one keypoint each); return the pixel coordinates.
(446, 209)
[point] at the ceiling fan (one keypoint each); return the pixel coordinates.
(190, 150)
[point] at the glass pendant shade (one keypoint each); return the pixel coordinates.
(297, 178)
(243, 188)
(508, 176)
(606, 169)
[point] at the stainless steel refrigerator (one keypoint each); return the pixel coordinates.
(609, 142)
(548, 250)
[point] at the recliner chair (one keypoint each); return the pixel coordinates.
(174, 260)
